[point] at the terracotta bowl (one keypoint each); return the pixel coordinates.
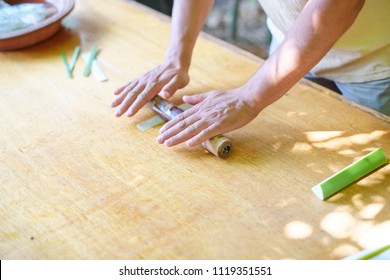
(38, 32)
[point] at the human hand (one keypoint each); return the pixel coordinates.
(215, 112)
(165, 78)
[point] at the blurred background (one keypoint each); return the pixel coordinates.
(239, 22)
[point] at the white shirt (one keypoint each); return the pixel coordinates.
(361, 54)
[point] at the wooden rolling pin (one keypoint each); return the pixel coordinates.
(218, 145)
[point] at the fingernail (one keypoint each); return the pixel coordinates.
(117, 113)
(160, 139)
(190, 143)
(168, 142)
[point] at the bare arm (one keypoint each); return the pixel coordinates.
(317, 28)
(314, 32)
(188, 18)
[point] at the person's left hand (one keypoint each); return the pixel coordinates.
(215, 112)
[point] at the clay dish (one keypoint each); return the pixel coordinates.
(41, 31)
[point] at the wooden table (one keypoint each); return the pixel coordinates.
(78, 183)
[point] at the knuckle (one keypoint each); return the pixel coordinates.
(153, 84)
(205, 132)
(191, 129)
(216, 123)
(133, 93)
(127, 88)
(143, 97)
(165, 135)
(182, 124)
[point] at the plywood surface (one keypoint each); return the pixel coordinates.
(78, 183)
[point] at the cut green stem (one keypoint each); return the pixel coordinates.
(92, 56)
(76, 54)
(350, 174)
(375, 253)
(67, 67)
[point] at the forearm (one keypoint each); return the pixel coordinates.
(188, 18)
(312, 35)
(317, 28)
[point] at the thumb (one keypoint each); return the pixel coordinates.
(195, 99)
(170, 88)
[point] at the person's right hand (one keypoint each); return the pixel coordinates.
(166, 79)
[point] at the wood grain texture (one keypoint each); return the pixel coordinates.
(77, 183)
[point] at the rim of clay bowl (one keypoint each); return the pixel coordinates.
(64, 7)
